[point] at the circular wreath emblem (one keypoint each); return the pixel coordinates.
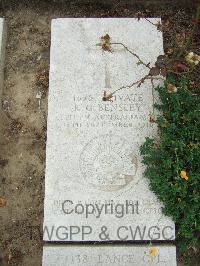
(108, 163)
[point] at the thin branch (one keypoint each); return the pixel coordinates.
(137, 56)
(138, 83)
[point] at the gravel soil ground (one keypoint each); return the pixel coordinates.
(23, 119)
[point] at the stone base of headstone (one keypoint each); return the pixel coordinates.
(123, 255)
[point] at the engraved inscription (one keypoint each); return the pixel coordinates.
(108, 163)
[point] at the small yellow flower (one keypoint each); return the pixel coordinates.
(171, 88)
(184, 175)
(153, 252)
(192, 58)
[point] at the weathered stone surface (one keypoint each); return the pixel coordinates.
(2, 59)
(94, 175)
(109, 255)
(2, 52)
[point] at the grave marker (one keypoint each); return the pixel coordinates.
(95, 189)
(2, 52)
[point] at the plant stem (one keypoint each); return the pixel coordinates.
(134, 54)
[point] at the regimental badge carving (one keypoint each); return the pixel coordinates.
(108, 163)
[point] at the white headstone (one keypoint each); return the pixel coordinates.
(95, 189)
(2, 52)
(138, 255)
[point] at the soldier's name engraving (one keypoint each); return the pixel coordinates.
(121, 103)
(124, 111)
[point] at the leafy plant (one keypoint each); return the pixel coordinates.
(173, 163)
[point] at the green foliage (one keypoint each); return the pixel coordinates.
(178, 149)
